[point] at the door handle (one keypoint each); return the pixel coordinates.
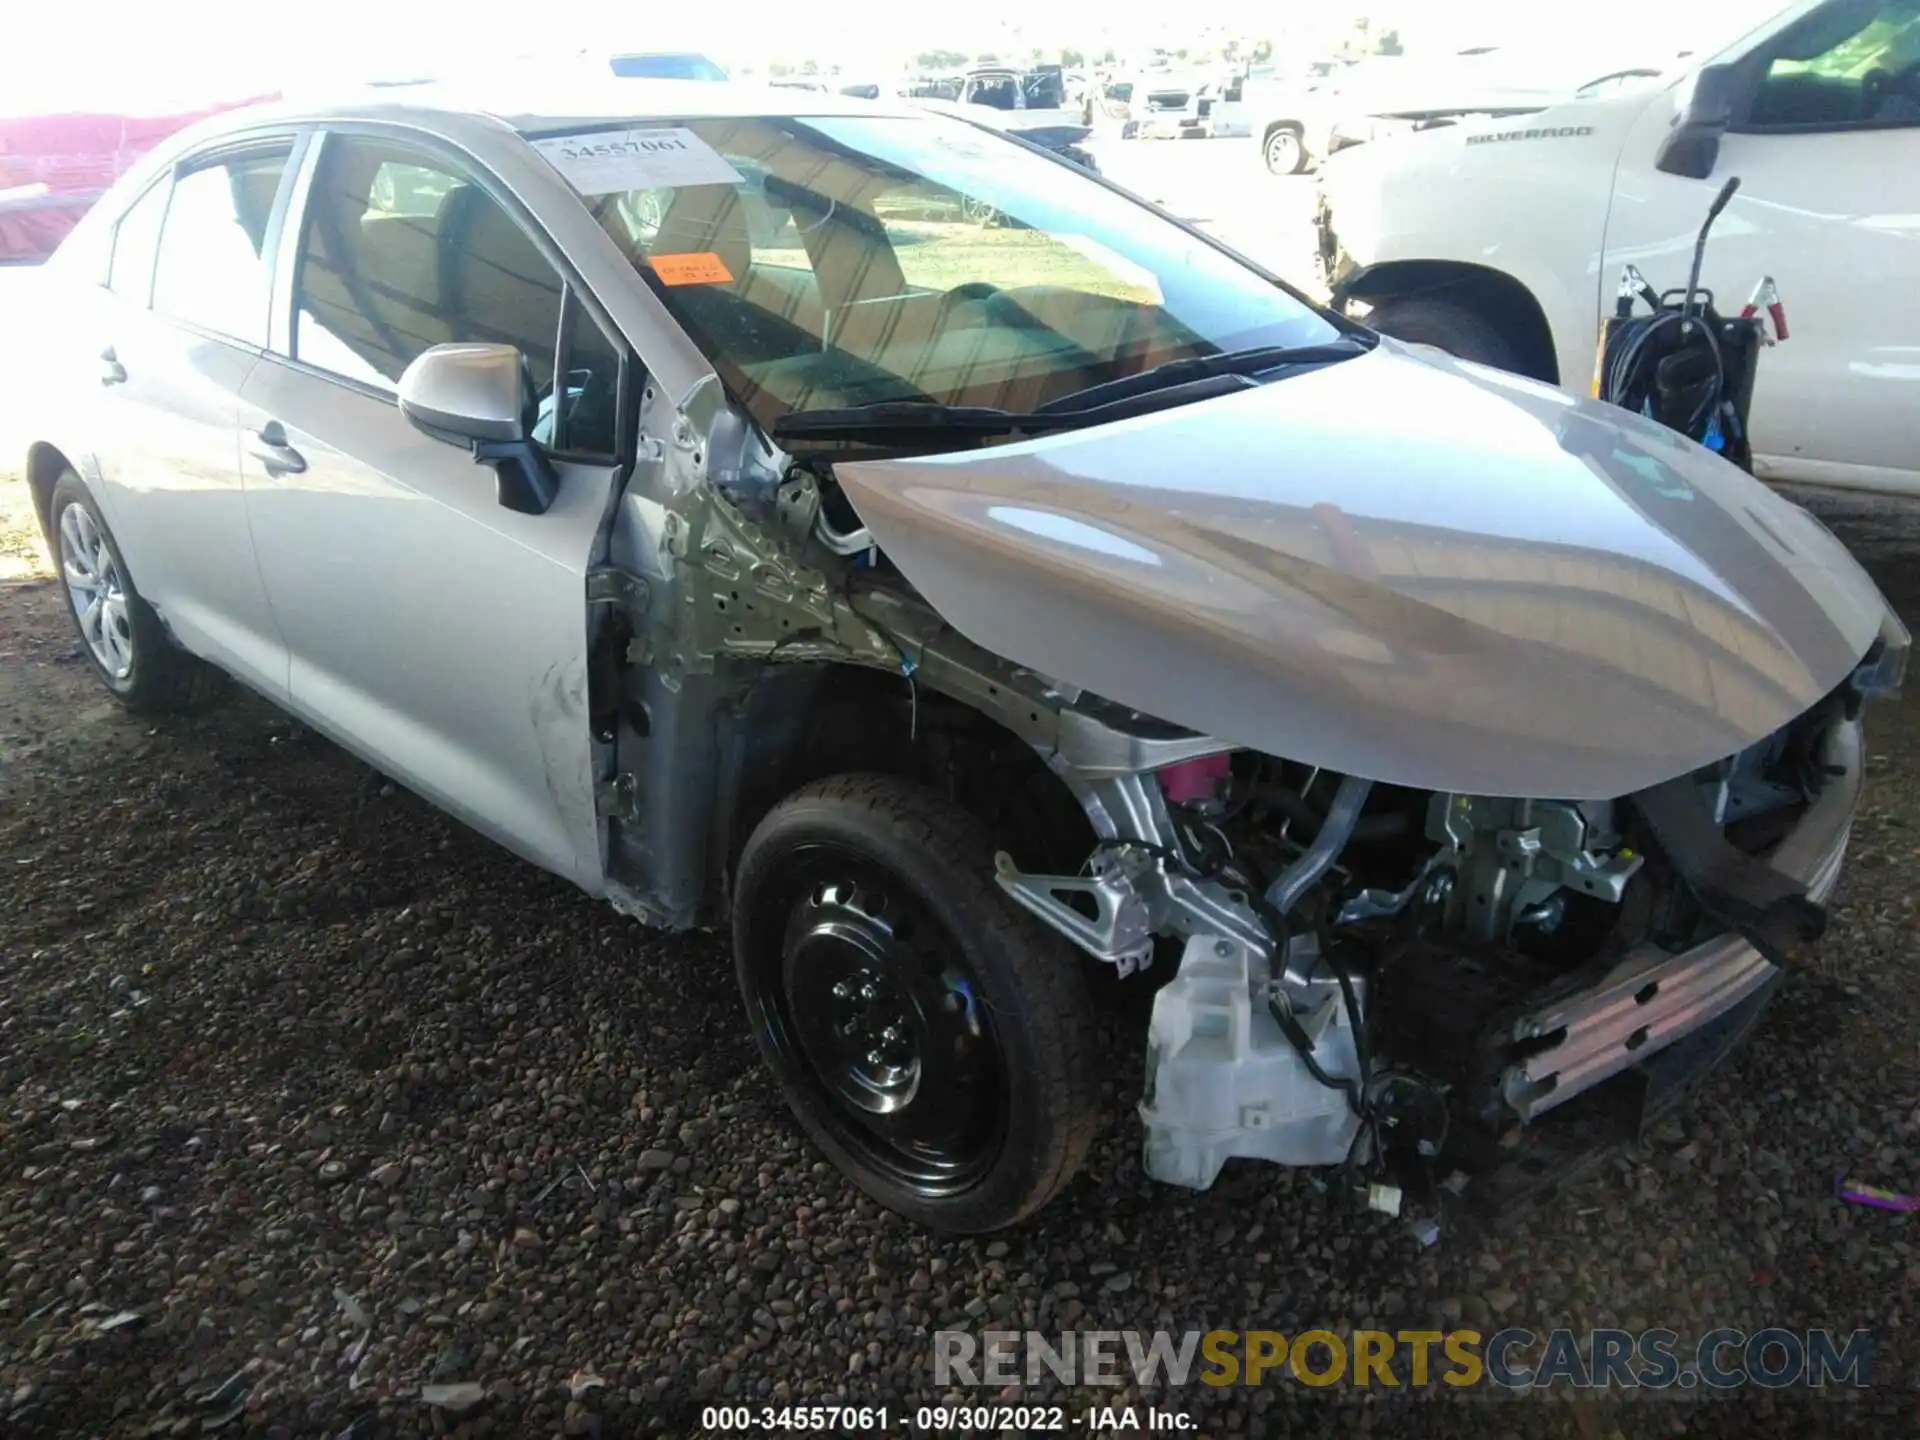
(112, 372)
(275, 455)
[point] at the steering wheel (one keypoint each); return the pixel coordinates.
(974, 290)
(1877, 85)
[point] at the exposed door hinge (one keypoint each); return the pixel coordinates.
(610, 586)
(618, 798)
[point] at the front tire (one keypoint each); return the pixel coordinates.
(120, 635)
(930, 1036)
(1446, 326)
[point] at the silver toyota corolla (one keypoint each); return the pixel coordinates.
(687, 487)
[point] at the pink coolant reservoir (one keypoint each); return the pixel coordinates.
(1194, 781)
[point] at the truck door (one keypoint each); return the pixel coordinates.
(1826, 142)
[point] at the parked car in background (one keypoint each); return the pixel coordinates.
(1200, 107)
(1041, 90)
(936, 87)
(1031, 104)
(1284, 113)
(1160, 100)
(666, 65)
(1060, 132)
(885, 89)
(946, 609)
(1503, 241)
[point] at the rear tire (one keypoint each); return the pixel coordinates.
(1284, 149)
(934, 1040)
(1446, 326)
(119, 632)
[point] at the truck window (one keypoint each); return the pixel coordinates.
(1845, 67)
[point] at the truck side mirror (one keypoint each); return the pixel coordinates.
(1702, 113)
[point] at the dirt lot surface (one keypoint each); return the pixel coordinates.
(338, 1101)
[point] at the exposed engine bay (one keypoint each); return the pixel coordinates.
(1362, 967)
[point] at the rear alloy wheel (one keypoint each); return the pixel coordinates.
(97, 592)
(125, 641)
(1284, 151)
(929, 1035)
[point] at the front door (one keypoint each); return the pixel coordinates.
(435, 632)
(1828, 158)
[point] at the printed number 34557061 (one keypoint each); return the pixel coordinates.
(635, 145)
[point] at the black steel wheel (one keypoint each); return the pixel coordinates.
(929, 1035)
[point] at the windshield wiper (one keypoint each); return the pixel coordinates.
(920, 418)
(1256, 360)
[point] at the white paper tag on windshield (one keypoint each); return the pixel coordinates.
(610, 161)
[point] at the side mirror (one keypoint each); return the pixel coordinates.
(476, 396)
(1702, 113)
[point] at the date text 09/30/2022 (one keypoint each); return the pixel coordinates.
(942, 1419)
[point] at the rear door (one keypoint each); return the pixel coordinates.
(176, 342)
(438, 634)
(1828, 156)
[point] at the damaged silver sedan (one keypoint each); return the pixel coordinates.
(701, 499)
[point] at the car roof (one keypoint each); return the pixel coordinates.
(553, 100)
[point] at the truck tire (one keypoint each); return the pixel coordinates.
(1446, 326)
(1284, 149)
(933, 1038)
(120, 635)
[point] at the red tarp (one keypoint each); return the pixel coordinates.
(53, 167)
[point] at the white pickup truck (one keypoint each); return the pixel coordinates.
(1503, 240)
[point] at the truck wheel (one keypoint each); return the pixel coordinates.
(129, 649)
(1445, 326)
(931, 1037)
(1284, 150)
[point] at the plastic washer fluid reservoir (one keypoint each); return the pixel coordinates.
(1224, 1081)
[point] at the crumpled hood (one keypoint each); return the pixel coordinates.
(1399, 566)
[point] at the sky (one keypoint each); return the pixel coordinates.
(192, 51)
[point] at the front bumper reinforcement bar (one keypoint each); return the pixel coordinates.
(1654, 997)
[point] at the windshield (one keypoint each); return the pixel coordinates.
(859, 259)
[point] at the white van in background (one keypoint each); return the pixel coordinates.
(1503, 240)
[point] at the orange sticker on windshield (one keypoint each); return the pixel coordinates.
(701, 268)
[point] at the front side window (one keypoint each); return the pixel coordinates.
(135, 238)
(1844, 66)
(580, 413)
(399, 252)
(859, 259)
(212, 268)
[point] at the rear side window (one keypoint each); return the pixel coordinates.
(130, 272)
(212, 268)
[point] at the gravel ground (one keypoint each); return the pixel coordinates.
(289, 1061)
